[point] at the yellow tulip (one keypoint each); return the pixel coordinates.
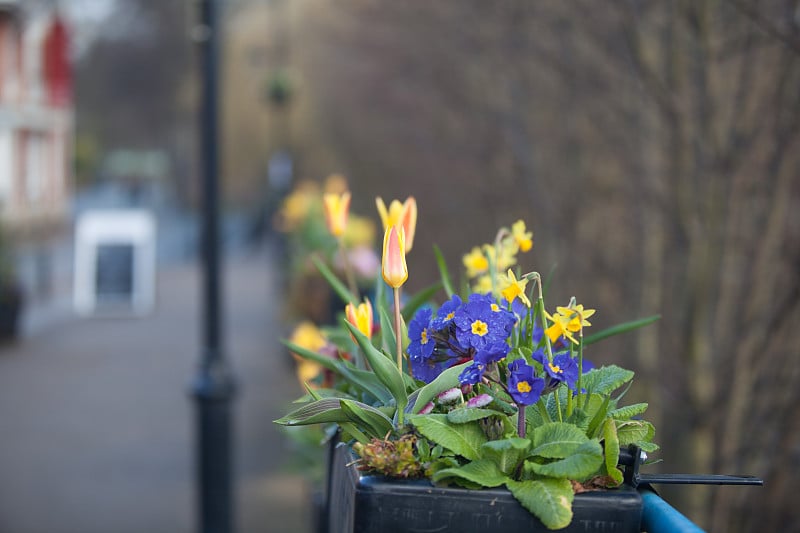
(393, 264)
(404, 215)
(360, 317)
(337, 208)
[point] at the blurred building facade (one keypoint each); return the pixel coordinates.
(36, 119)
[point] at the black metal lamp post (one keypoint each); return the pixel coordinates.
(213, 387)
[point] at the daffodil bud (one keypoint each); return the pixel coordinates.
(393, 265)
(337, 208)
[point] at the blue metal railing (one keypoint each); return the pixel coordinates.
(660, 517)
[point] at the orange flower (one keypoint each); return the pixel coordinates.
(404, 215)
(337, 208)
(360, 317)
(393, 266)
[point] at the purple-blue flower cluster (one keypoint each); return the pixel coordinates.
(476, 330)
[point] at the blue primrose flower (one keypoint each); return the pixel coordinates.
(492, 353)
(428, 369)
(563, 369)
(472, 374)
(523, 385)
(446, 313)
(481, 322)
(421, 343)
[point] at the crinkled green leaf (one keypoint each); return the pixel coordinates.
(634, 431)
(629, 411)
(462, 415)
(606, 379)
(462, 439)
(557, 440)
(611, 450)
(549, 500)
(507, 454)
(482, 472)
(582, 463)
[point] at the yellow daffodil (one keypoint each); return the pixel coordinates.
(403, 215)
(337, 207)
(514, 288)
(475, 263)
(335, 184)
(524, 239)
(558, 328)
(307, 335)
(576, 316)
(393, 264)
(360, 317)
(483, 284)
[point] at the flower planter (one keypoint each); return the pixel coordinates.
(365, 503)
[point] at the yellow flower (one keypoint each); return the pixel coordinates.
(337, 207)
(558, 328)
(297, 205)
(507, 255)
(576, 316)
(307, 335)
(403, 215)
(475, 263)
(360, 317)
(308, 371)
(393, 264)
(514, 288)
(360, 232)
(523, 239)
(483, 284)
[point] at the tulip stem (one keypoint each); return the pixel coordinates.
(348, 271)
(398, 330)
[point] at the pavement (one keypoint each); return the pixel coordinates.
(96, 422)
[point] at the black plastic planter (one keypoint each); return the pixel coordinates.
(364, 503)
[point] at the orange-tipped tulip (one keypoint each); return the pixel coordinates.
(360, 317)
(398, 214)
(337, 208)
(393, 266)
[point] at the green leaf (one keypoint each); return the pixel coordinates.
(389, 339)
(599, 405)
(320, 411)
(462, 439)
(420, 298)
(580, 464)
(338, 287)
(549, 500)
(607, 379)
(384, 369)
(634, 431)
(305, 353)
(557, 440)
(462, 415)
(619, 328)
(367, 382)
(628, 412)
(482, 472)
(365, 415)
(444, 272)
(507, 454)
(611, 450)
(444, 381)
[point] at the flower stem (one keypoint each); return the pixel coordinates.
(521, 420)
(398, 329)
(348, 271)
(580, 369)
(540, 310)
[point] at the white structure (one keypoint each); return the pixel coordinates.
(36, 117)
(115, 262)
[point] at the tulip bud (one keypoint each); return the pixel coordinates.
(360, 317)
(393, 267)
(336, 210)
